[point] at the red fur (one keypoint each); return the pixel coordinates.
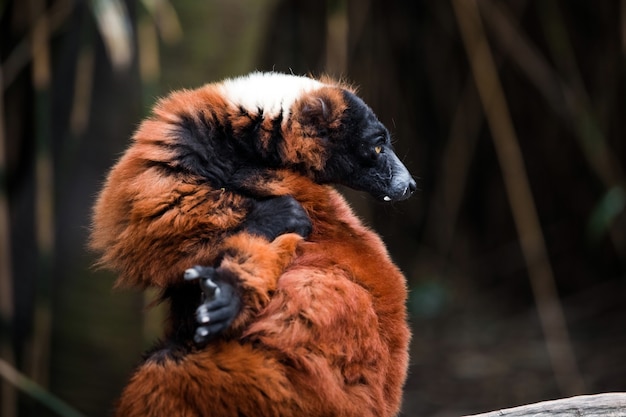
(331, 341)
(322, 331)
(151, 227)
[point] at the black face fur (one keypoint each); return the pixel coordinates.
(362, 157)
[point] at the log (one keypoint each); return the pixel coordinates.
(599, 405)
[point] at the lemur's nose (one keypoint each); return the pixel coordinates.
(408, 191)
(412, 186)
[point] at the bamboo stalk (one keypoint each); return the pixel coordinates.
(337, 39)
(44, 195)
(568, 99)
(21, 55)
(623, 25)
(455, 163)
(8, 396)
(518, 189)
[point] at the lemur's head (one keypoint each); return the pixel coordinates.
(350, 145)
(266, 121)
(319, 128)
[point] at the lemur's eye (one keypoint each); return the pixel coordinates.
(378, 149)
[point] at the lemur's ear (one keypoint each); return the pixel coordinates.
(316, 109)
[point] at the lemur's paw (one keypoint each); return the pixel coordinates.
(275, 216)
(220, 303)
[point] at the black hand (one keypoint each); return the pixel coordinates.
(275, 216)
(220, 303)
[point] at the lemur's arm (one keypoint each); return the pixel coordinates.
(274, 216)
(237, 288)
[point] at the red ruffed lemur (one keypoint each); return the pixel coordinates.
(300, 310)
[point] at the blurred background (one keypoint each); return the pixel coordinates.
(511, 114)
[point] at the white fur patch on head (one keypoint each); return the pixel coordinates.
(272, 92)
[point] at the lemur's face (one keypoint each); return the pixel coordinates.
(361, 155)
